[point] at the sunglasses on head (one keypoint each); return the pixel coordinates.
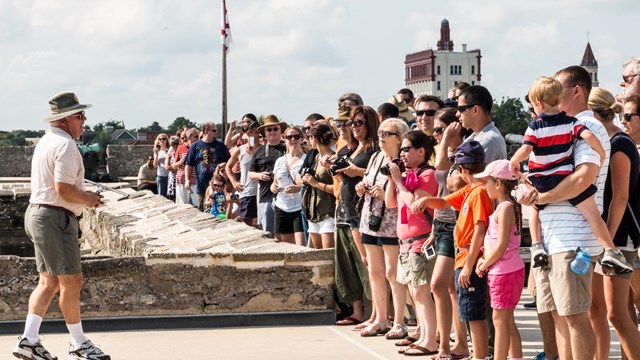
(291, 137)
(272, 129)
(356, 123)
(627, 117)
(425, 112)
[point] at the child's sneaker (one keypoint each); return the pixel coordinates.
(87, 351)
(28, 351)
(538, 255)
(614, 258)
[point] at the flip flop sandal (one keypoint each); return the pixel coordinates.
(375, 329)
(441, 357)
(401, 351)
(361, 326)
(419, 351)
(458, 356)
(397, 332)
(348, 321)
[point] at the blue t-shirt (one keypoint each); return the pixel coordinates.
(219, 204)
(204, 158)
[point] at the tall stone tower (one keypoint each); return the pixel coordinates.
(590, 64)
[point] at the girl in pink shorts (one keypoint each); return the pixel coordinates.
(501, 262)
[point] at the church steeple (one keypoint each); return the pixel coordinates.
(590, 64)
(445, 42)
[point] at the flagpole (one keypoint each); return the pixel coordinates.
(224, 91)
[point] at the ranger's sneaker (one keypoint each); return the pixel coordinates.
(615, 259)
(87, 351)
(28, 351)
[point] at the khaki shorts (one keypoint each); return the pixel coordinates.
(630, 256)
(559, 288)
(54, 234)
(416, 269)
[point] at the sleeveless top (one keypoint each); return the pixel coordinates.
(510, 260)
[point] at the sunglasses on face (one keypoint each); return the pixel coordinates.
(272, 129)
(163, 139)
(627, 117)
(405, 149)
(385, 134)
(426, 112)
(356, 123)
(218, 185)
(437, 130)
(80, 115)
(463, 108)
(291, 137)
(340, 124)
(626, 78)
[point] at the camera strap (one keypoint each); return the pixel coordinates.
(375, 177)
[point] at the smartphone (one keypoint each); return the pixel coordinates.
(429, 252)
(252, 141)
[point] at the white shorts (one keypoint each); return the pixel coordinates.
(184, 196)
(323, 227)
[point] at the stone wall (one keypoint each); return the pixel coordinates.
(16, 161)
(125, 160)
(153, 257)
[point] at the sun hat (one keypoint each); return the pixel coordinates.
(343, 113)
(498, 169)
(403, 108)
(270, 120)
(64, 104)
(469, 152)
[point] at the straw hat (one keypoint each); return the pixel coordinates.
(64, 104)
(405, 112)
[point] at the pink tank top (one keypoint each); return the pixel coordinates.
(510, 260)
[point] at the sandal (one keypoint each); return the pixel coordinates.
(441, 357)
(397, 332)
(419, 351)
(401, 351)
(361, 326)
(408, 340)
(349, 320)
(375, 329)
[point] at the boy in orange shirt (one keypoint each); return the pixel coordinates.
(474, 205)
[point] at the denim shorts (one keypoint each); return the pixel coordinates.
(443, 234)
(472, 300)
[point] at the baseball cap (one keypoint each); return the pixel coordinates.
(469, 152)
(498, 169)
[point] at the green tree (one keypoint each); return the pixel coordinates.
(179, 123)
(510, 116)
(117, 124)
(154, 127)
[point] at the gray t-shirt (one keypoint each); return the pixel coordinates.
(495, 148)
(446, 215)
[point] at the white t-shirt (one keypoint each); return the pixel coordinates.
(250, 186)
(56, 158)
(285, 177)
(563, 226)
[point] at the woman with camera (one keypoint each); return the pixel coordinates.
(379, 233)
(352, 277)
(318, 198)
(287, 205)
(417, 254)
(160, 150)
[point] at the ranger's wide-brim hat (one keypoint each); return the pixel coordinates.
(404, 111)
(271, 120)
(64, 104)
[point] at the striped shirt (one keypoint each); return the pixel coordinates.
(552, 138)
(563, 226)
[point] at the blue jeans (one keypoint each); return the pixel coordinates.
(163, 183)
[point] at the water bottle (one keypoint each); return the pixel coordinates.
(580, 265)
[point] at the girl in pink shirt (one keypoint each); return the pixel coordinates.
(501, 262)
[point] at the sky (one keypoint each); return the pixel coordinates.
(142, 61)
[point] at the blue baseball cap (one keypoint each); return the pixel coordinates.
(469, 152)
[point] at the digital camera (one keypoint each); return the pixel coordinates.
(338, 164)
(385, 169)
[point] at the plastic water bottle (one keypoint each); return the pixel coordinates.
(580, 265)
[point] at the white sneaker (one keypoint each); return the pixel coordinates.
(27, 351)
(87, 351)
(538, 255)
(615, 259)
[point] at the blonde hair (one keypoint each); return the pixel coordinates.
(398, 125)
(547, 90)
(603, 102)
(158, 142)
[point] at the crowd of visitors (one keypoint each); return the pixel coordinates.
(423, 207)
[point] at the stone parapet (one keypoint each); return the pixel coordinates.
(153, 257)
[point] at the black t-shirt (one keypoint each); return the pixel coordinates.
(309, 161)
(263, 159)
(622, 142)
(348, 197)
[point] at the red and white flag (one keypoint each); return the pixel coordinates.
(225, 30)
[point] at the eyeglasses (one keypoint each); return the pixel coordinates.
(291, 137)
(463, 108)
(437, 130)
(627, 117)
(184, 138)
(405, 149)
(272, 129)
(626, 78)
(385, 134)
(425, 112)
(217, 185)
(356, 123)
(80, 115)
